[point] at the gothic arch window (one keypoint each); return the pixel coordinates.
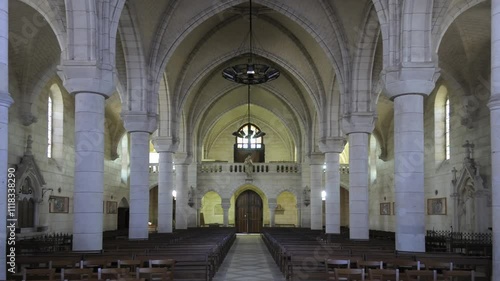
(442, 113)
(55, 123)
(249, 142)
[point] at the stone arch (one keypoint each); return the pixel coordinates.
(362, 95)
(337, 51)
(52, 15)
(137, 86)
(211, 208)
(29, 110)
(239, 189)
(449, 18)
(123, 203)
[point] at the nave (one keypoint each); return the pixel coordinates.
(248, 260)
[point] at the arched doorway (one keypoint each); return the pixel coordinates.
(123, 214)
(249, 213)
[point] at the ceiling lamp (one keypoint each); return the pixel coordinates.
(250, 73)
(248, 133)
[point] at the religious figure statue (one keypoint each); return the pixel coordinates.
(249, 165)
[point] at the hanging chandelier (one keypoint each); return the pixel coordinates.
(249, 132)
(250, 73)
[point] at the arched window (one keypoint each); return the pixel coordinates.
(55, 123)
(249, 141)
(447, 128)
(442, 125)
(49, 127)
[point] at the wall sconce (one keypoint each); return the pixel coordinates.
(454, 179)
(307, 196)
(191, 197)
(44, 190)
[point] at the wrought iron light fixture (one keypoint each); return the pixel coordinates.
(249, 132)
(250, 73)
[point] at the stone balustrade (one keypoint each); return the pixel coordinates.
(293, 168)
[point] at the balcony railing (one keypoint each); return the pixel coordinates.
(292, 168)
(257, 168)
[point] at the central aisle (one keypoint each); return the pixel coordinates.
(248, 260)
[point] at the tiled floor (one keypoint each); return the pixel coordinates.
(249, 260)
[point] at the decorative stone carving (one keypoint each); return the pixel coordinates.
(470, 195)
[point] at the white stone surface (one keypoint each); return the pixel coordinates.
(358, 186)
(409, 173)
(89, 172)
(332, 147)
(316, 165)
(181, 206)
(139, 185)
(165, 184)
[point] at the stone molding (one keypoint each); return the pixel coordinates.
(410, 78)
(86, 77)
(182, 158)
(359, 122)
(165, 144)
(135, 121)
(332, 144)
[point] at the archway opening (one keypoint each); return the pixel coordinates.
(249, 212)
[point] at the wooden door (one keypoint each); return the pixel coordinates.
(249, 214)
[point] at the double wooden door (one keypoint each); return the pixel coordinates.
(249, 214)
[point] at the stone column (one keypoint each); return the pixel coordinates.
(182, 161)
(272, 210)
(89, 172)
(494, 106)
(299, 214)
(226, 204)
(358, 127)
(407, 87)
(139, 125)
(166, 147)
(332, 147)
(316, 163)
(5, 103)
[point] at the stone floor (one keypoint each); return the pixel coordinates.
(248, 260)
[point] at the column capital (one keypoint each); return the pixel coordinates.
(86, 77)
(182, 158)
(226, 203)
(6, 100)
(332, 144)
(138, 121)
(410, 78)
(316, 158)
(165, 144)
(359, 122)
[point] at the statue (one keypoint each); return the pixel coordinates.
(249, 166)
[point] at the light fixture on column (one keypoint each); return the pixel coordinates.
(247, 132)
(250, 73)
(307, 196)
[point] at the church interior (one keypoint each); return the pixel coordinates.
(250, 139)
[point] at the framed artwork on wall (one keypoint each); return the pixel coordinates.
(394, 208)
(385, 209)
(58, 204)
(111, 207)
(436, 206)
